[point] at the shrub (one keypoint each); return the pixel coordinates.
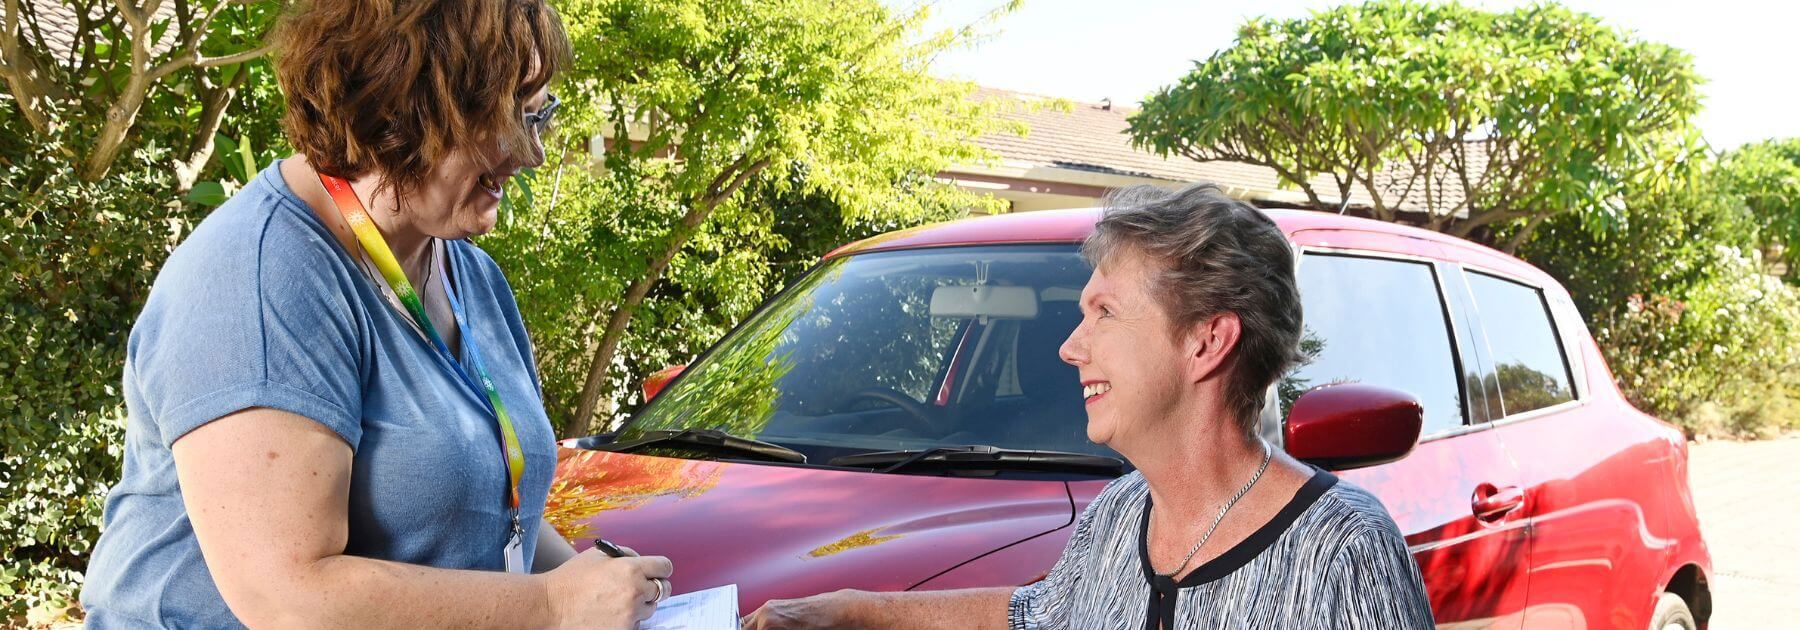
(78, 258)
(1694, 331)
(1718, 362)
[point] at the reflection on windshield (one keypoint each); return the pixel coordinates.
(896, 351)
(735, 392)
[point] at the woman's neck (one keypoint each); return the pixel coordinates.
(1199, 468)
(409, 245)
(407, 242)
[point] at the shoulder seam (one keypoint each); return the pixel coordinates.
(262, 315)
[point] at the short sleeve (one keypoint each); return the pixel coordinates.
(1375, 583)
(253, 310)
(1045, 604)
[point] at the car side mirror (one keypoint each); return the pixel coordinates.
(656, 381)
(1352, 425)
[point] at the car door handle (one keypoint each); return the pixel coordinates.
(1491, 503)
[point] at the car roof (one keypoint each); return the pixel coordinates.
(1073, 225)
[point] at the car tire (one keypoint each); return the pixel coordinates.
(1672, 614)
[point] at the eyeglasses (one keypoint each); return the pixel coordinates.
(536, 123)
(539, 121)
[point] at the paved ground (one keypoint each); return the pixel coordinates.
(1746, 495)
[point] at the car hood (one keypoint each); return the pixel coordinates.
(784, 531)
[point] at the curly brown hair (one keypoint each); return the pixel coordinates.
(395, 86)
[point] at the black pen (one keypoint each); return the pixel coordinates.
(609, 549)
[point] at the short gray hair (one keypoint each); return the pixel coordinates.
(1217, 254)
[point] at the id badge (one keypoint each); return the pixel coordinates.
(515, 549)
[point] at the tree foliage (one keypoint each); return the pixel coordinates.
(78, 258)
(98, 140)
(1766, 176)
(124, 58)
(1692, 328)
(700, 98)
(1481, 118)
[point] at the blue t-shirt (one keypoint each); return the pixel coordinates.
(262, 307)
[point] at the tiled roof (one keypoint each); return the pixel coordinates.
(57, 21)
(1092, 137)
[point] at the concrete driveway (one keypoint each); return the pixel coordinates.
(1745, 492)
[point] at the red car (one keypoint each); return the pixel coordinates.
(898, 419)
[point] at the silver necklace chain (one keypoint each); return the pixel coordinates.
(1267, 454)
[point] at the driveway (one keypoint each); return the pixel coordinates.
(1745, 494)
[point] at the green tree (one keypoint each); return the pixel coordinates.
(701, 98)
(1692, 328)
(1482, 118)
(1662, 242)
(126, 58)
(99, 136)
(1766, 177)
(77, 260)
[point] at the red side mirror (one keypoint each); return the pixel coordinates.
(1339, 427)
(659, 379)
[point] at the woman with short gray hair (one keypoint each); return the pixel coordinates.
(1190, 316)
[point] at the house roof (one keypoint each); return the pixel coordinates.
(1092, 137)
(58, 22)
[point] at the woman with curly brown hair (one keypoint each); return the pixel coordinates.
(334, 417)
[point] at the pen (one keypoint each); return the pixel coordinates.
(663, 587)
(611, 550)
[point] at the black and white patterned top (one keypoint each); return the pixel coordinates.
(1332, 558)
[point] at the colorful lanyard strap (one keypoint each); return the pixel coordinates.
(378, 251)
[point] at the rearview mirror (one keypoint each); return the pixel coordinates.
(984, 301)
(1352, 425)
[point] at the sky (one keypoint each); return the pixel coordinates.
(1086, 50)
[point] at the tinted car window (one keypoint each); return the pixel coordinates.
(1527, 359)
(859, 356)
(1378, 322)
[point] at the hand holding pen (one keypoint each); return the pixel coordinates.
(663, 587)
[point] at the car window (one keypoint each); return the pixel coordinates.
(1379, 322)
(1527, 359)
(1481, 389)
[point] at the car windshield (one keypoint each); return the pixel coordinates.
(899, 350)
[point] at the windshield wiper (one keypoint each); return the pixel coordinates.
(711, 440)
(976, 457)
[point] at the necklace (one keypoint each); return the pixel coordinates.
(1267, 453)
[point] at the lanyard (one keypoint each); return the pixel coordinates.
(377, 248)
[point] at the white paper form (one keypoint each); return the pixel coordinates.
(711, 609)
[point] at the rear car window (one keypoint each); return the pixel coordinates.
(1378, 322)
(1528, 360)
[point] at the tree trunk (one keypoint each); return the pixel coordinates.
(119, 120)
(722, 188)
(1477, 220)
(595, 387)
(1512, 245)
(213, 104)
(22, 75)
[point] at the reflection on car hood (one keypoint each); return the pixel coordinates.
(779, 531)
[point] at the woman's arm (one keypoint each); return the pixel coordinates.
(552, 549)
(267, 492)
(976, 608)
